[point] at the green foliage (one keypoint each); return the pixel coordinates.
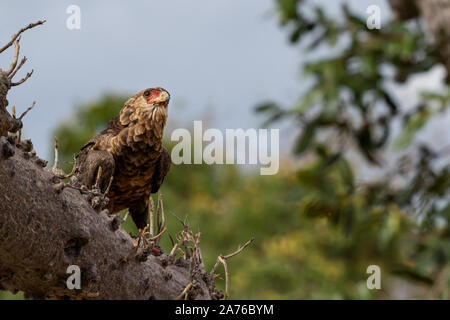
(6, 295)
(400, 220)
(349, 87)
(432, 103)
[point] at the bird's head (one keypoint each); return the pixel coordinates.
(149, 105)
(155, 97)
(151, 98)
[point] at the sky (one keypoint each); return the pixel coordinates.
(217, 58)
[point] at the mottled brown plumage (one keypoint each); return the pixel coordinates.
(130, 150)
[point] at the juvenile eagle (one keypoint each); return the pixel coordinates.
(130, 150)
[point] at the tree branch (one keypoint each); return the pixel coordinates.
(43, 232)
(14, 37)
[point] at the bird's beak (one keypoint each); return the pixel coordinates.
(163, 98)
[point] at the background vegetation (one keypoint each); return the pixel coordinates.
(317, 224)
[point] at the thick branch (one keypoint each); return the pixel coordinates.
(42, 232)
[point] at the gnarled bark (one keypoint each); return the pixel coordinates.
(42, 232)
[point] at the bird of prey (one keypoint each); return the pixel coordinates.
(127, 160)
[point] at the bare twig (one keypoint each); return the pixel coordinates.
(183, 295)
(239, 249)
(22, 62)
(152, 212)
(199, 251)
(126, 216)
(26, 111)
(158, 236)
(14, 37)
(14, 117)
(231, 255)
(158, 208)
(185, 227)
(225, 266)
(60, 173)
(28, 75)
(172, 242)
(160, 215)
(21, 117)
(16, 57)
(223, 259)
(55, 163)
(175, 247)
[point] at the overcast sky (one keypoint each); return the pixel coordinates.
(216, 57)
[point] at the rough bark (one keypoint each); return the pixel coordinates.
(45, 228)
(42, 232)
(436, 14)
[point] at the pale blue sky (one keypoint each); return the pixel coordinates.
(216, 57)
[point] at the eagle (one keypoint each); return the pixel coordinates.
(127, 160)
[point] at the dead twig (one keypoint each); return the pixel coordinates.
(125, 216)
(59, 173)
(225, 266)
(223, 259)
(55, 170)
(185, 227)
(16, 57)
(239, 250)
(158, 204)
(26, 111)
(176, 246)
(28, 75)
(14, 37)
(22, 62)
(197, 268)
(158, 236)
(184, 239)
(199, 251)
(21, 117)
(183, 295)
(160, 216)
(152, 212)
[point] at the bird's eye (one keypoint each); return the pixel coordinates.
(147, 93)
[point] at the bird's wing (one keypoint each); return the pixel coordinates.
(161, 169)
(114, 127)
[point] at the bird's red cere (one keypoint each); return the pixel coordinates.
(154, 94)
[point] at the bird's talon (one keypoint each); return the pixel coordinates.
(140, 238)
